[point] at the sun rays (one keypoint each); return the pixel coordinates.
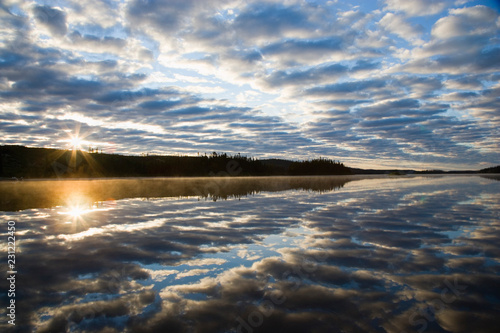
(79, 211)
(77, 206)
(75, 161)
(76, 142)
(75, 139)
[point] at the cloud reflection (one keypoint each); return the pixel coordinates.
(393, 255)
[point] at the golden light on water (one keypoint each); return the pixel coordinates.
(78, 206)
(77, 211)
(76, 214)
(81, 215)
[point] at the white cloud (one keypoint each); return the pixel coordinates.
(373, 39)
(417, 7)
(478, 20)
(354, 19)
(397, 25)
(192, 272)
(95, 12)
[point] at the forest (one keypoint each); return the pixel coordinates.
(19, 162)
(24, 162)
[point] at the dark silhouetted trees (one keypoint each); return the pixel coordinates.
(491, 170)
(319, 166)
(19, 161)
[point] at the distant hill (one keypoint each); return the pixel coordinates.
(19, 161)
(278, 165)
(491, 170)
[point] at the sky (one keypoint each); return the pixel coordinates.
(374, 84)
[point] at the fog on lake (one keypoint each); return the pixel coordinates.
(267, 254)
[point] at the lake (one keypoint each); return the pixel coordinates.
(271, 254)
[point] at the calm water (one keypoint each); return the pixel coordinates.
(308, 254)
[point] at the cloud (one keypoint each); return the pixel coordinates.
(420, 86)
(159, 104)
(402, 107)
(310, 76)
(97, 43)
(396, 25)
(227, 67)
(478, 20)
(460, 43)
(54, 19)
(165, 15)
(417, 7)
(359, 88)
(270, 20)
(296, 52)
(483, 61)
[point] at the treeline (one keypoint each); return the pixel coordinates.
(320, 166)
(19, 161)
(491, 170)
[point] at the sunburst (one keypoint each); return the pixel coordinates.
(76, 139)
(77, 211)
(75, 142)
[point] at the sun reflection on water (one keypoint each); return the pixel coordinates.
(79, 209)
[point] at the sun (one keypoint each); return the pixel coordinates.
(76, 211)
(76, 142)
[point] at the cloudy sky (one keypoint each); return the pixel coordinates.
(375, 83)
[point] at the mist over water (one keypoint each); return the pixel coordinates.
(270, 254)
(50, 193)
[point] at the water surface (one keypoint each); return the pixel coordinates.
(272, 254)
